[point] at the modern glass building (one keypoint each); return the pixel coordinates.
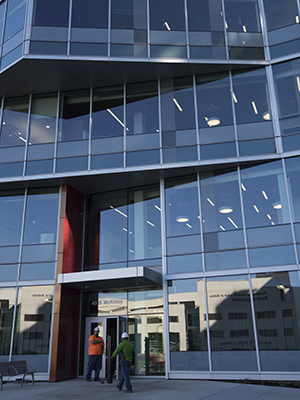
(150, 182)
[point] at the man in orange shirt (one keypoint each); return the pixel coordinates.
(95, 355)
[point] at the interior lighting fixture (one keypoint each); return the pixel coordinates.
(265, 194)
(234, 96)
(177, 104)
(298, 83)
(118, 211)
(213, 121)
(150, 223)
(243, 187)
(254, 107)
(233, 223)
(223, 229)
(210, 202)
(269, 216)
(116, 118)
(225, 210)
(157, 208)
(3, 123)
(266, 116)
(182, 218)
(188, 225)
(167, 25)
(48, 126)
(272, 223)
(244, 28)
(255, 208)
(277, 206)
(297, 19)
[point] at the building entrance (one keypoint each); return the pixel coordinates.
(110, 328)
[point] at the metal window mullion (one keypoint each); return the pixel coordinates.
(69, 27)
(243, 216)
(263, 23)
(27, 135)
(3, 27)
(148, 28)
(160, 122)
(90, 129)
(207, 326)
(56, 130)
(201, 221)
(51, 331)
(196, 116)
(109, 28)
(289, 201)
(234, 114)
(187, 29)
(124, 127)
(22, 232)
(225, 29)
(13, 325)
(254, 323)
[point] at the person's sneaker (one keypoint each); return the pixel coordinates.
(118, 388)
(129, 391)
(97, 380)
(88, 380)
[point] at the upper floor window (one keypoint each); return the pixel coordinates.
(51, 13)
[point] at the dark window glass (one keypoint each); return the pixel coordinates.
(242, 16)
(142, 157)
(88, 49)
(180, 154)
(211, 151)
(11, 169)
(246, 53)
(107, 161)
(15, 17)
(51, 13)
(43, 119)
(90, 13)
(281, 13)
(39, 167)
(48, 47)
(283, 49)
(108, 112)
(205, 15)
(74, 116)
(7, 306)
(168, 51)
(293, 175)
(128, 14)
(252, 147)
(167, 15)
(14, 122)
(71, 164)
(12, 56)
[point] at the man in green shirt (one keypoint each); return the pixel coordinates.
(127, 351)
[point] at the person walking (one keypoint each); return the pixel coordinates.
(96, 346)
(127, 351)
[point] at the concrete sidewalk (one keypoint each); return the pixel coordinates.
(146, 389)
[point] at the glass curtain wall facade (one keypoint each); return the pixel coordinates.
(149, 175)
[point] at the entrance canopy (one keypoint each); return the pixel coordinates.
(112, 279)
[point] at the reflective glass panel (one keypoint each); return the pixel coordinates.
(279, 255)
(251, 99)
(74, 116)
(142, 110)
(214, 107)
(14, 122)
(293, 176)
(108, 118)
(178, 112)
(242, 16)
(43, 119)
(41, 217)
(32, 330)
(7, 302)
(168, 15)
(185, 263)
(145, 301)
(264, 195)
(277, 320)
(51, 13)
(90, 13)
(37, 271)
(15, 17)
(230, 324)
(280, 13)
(182, 207)
(2, 16)
(205, 15)
(187, 325)
(144, 224)
(129, 14)
(98, 303)
(11, 216)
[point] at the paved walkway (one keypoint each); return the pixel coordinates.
(146, 389)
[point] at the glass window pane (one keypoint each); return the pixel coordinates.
(230, 324)
(280, 255)
(251, 98)
(90, 13)
(37, 47)
(107, 161)
(225, 260)
(280, 13)
(32, 332)
(40, 252)
(11, 216)
(128, 14)
(242, 16)
(270, 235)
(184, 244)
(51, 13)
(182, 207)
(178, 110)
(180, 154)
(15, 17)
(167, 15)
(144, 224)
(223, 150)
(41, 217)
(142, 157)
(293, 176)
(43, 119)
(187, 263)
(108, 112)
(39, 167)
(205, 15)
(187, 325)
(264, 195)
(14, 122)
(277, 320)
(7, 305)
(71, 164)
(74, 116)
(7, 273)
(37, 271)
(145, 301)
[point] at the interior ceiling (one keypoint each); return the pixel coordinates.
(49, 75)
